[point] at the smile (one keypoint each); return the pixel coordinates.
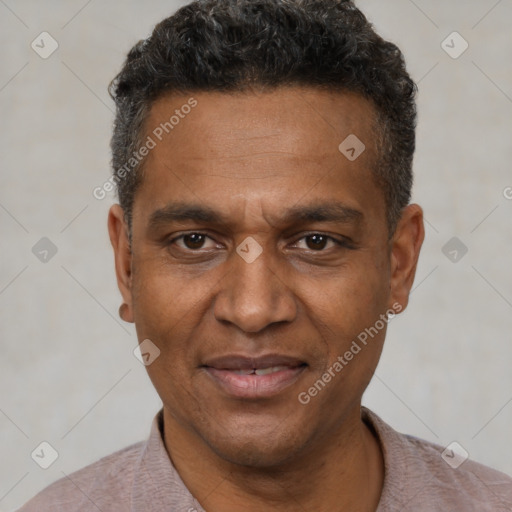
(253, 378)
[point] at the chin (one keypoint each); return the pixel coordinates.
(257, 446)
(253, 454)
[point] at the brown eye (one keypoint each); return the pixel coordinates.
(193, 240)
(316, 242)
(189, 241)
(320, 242)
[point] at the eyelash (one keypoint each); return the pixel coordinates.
(339, 243)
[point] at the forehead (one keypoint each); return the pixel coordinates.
(305, 122)
(267, 148)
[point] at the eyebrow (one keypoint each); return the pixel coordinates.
(333, 212)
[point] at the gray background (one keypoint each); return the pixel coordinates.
(67, 372)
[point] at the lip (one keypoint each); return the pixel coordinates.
(223, 370)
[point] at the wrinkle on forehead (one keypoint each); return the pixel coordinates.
(300, 123)
(251, 209)
(256, 156)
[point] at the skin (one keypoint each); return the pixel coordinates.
(252, 156)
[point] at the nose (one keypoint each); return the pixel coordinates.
(254, 295)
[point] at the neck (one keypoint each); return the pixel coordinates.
(343, 471)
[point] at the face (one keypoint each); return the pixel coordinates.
(260, 253)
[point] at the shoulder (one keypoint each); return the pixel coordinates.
(104, 485)
(421, 475)
(471, 483)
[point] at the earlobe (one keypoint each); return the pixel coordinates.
(405, 251)
(119, 238)
(124, 313)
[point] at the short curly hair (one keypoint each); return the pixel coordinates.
(230, 45)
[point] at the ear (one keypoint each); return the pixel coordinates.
(118, 233)
(405, 250)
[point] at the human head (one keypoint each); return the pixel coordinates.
(260, 165)
(233, 45)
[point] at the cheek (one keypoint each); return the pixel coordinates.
(346, 312)
(353, 330)
(163, 294)
(169, 307)
(351, 298)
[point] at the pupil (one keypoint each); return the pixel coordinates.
(196, 240)
(318, 238)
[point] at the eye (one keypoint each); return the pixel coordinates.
(192, 241)
(318, 241)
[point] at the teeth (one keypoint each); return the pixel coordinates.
(243, 372)
(260, 371)
(272, 369)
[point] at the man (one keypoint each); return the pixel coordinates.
(264, 238)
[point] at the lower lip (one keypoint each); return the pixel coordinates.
(255, 386)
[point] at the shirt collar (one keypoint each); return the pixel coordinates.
(158, 486)
(391, 445)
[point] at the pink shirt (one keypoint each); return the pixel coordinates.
(141, 478)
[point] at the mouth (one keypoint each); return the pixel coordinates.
(254, 377)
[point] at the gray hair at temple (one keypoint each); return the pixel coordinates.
(231, 45)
